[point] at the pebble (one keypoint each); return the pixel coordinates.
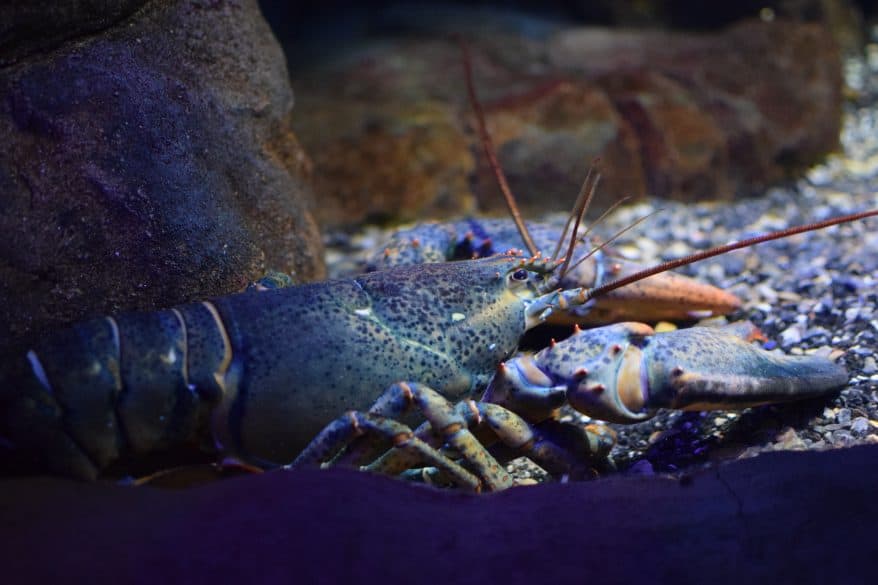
(525, 481)
(860, 426)
(842, 438)
(642, 467)
(791, 335)
(790, 440)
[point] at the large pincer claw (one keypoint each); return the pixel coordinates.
(701, 368)
(625, 372)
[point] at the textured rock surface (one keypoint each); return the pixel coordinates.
(672, 115)
(144, 164)
(780, 518)
(730, 113)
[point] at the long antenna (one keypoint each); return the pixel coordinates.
(670, 265)
(488, 146)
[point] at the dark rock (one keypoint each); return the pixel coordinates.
(683, 116)
(779, 518)
(147, 163)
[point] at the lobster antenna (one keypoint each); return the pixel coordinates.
(615, 237)
(776, 235)
(488, 146)
(586, 193)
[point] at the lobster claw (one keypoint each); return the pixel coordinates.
(663, 297)
(695, 369)
(625, 372)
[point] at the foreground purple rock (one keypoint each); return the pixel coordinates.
(783, 517)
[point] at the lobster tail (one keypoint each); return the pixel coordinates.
(35, 423)
(79, 400)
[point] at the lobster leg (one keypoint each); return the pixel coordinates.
(396, 401)
(351, 425)
(559, 448)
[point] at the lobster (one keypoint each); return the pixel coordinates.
(256, 375)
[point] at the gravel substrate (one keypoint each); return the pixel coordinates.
(812, 293)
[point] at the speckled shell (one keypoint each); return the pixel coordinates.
(304, 355)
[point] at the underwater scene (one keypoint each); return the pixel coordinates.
(289, 290)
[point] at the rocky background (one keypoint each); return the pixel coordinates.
(148, 159)
(685, 116)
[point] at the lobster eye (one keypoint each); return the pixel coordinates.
(520, 274)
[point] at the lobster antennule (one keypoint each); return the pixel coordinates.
(583, 201)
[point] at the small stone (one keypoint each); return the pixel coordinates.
(815, 332)
(664, 327)
(716, 272)
(835, 354)
(654, 437)
(860, 426)
(642, 467)
(850, 315)
(526, 481)
(791, 335)
(843, 416)
(822, 351)
(842, 438)
(788, 439)
(870, 366)
(767, 293)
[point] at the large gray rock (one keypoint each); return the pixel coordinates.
(148, 159)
